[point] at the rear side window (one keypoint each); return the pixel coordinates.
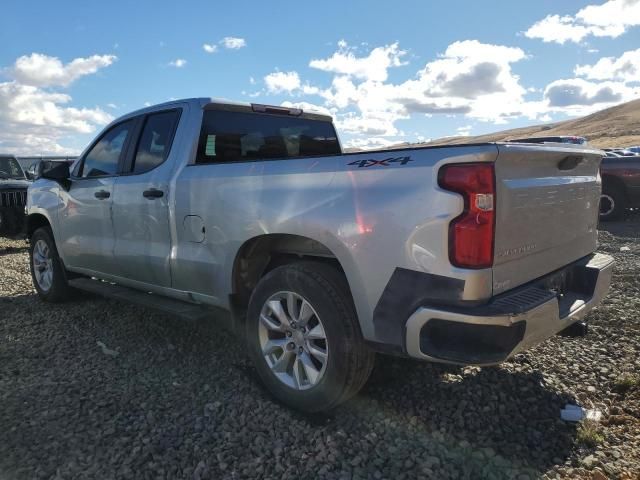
(155, 141)
(103, 158)
(239, 136)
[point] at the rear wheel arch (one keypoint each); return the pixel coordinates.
(259, 255)
(342, 363)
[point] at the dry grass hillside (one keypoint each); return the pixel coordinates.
(617, 126)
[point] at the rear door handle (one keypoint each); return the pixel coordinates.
(152, 193)
(102, 194)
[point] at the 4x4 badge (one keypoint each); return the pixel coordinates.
(382, 163)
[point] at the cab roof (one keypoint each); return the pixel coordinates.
(211, 103)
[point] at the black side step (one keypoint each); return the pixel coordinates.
(167, 305)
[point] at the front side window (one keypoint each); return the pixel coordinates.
(237, 136)
(103, 158)
(155, 141)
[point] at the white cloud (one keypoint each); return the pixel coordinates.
(306, 107)
(112, 105)
(369, 143)
(372, 67)
(470, 80)
(464, 131)
(610, 19)
(43, 71)
(34, 121)
(554, 28)
(278, 82)
(585, 96)
(470, 77)
(177, 63)
(233, 43)
(625, 68)
(209, 48)
(368, 124)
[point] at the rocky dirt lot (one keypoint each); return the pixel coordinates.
(99, 389)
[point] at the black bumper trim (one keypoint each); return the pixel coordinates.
(406, 291)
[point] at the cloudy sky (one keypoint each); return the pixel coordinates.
(388, 72)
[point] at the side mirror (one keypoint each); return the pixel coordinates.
(58, 172)
(33, 172)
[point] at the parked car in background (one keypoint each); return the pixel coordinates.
(27, 161)
(13, 196)
(620, 185)
(456, 254)
(552, 139)
(624, 152)
(43, 163)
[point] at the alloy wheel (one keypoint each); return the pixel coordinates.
(293, 340)
(43, 265)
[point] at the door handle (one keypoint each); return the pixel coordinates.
(102, 194)
(152, 193)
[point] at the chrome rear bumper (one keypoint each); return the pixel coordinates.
(512, 322)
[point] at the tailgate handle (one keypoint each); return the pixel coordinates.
(570, 162)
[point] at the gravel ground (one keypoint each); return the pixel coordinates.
(163, 398)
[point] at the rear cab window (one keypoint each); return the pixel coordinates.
(228, 136)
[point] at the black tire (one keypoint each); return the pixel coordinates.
(349, 361)
(612, 204)
(59, 290)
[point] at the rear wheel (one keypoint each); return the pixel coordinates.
(47, 272)
(612, 204)
(304, 338)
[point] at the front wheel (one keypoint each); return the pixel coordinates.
(304, 339)
(47, 271)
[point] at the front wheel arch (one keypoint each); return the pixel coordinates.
(36, 221)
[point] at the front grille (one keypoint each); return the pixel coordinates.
(17, 198)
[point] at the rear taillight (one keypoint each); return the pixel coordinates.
(471, 234)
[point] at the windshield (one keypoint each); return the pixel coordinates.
(10, 168)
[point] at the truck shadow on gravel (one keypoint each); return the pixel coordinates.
(179, 392)
(478, 413)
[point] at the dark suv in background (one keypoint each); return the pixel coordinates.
(13, 196)
(620, 185)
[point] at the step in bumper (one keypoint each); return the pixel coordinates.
(511, 322)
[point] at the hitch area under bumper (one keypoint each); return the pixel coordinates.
(511, 322)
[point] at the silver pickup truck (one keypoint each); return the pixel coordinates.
(460, 254)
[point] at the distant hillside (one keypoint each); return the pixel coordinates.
(617, 126)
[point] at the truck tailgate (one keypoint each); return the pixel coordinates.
(546, 210)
